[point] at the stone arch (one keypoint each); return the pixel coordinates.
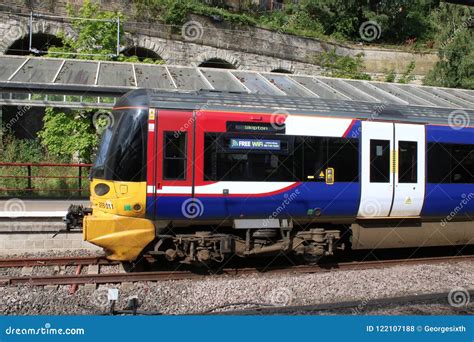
(282, 71)
(282, 66)
(153, 47)
(228, 60)
(217, 63)
(141, 53)
(16, 33)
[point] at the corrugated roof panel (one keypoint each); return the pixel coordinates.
(222, 79)
(116, 74)
(448, 97)
(77, 72)
(430, 97)
(187, 78)
(375, 92)
(462, 94)
(348, 90)
(287, 85)
(319, 88)
(403, 94)
(8, 66)
(256, 83)
(152, 76)
(38, 70)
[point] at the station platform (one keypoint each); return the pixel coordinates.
(47, 208)
(29, 226)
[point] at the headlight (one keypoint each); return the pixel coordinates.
(101, 189)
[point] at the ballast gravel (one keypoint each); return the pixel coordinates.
(222, 293)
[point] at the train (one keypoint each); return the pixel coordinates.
(203, 176)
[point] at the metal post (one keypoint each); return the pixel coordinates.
(29, 177)
(118, 36)
(80, 181)
(31, 32)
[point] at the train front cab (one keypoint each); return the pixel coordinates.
(118, 188)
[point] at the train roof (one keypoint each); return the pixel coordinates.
(185, 87)
(245, 102)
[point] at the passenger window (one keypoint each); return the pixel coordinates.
(450, 163)
(379, 161)
(174, 155)
(407, 158)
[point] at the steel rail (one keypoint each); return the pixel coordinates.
(181, 275)
(55, 261)
(361, 305)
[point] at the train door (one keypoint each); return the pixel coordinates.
(174, 171)
(393, 169)
(376, 169)
(410, 170)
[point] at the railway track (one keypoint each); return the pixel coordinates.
(55, 261)
(96, 278)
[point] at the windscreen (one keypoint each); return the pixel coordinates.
(122, 152)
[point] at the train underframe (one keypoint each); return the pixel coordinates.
(126, 238)
(203, 245)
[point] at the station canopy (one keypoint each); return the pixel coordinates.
(39, 81)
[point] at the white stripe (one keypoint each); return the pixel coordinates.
(308, 126)
(235, 188)
(12, 214)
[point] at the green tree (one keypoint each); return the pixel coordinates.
(70, 134)
(92, 37)
(455, 42)
(342, 66)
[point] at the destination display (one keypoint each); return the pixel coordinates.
(260, 144)
(235, 126)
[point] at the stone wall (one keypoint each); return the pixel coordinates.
(245, 48)
(23, 236)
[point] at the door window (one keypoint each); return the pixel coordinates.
(379, 161)
(407, 157)
(174, 163)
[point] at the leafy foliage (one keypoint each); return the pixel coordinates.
(69, 134)
(93, 39)
(407, 75)
(455, 48)
(399, 20)
(342, 66)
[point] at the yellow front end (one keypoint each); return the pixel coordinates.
(118, 222)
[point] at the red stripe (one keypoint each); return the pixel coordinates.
(279, 191)
(346, 133)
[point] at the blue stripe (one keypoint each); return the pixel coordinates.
(443, 199)
(339, 199)
(446, 134)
